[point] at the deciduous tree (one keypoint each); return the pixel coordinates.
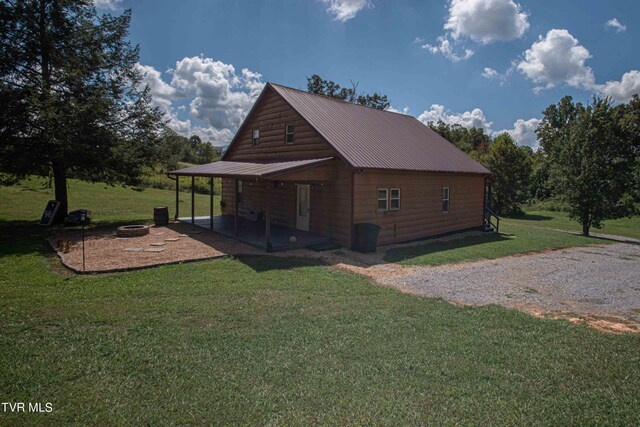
(594, 164)
(316, 84)
(511, 167)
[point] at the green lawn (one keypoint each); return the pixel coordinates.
(272, 341)
(518, 238)
(26, 201)
(262, 340)
(628, 227)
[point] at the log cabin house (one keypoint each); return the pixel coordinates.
(303, 169)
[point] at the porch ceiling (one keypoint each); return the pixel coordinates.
(229, 169)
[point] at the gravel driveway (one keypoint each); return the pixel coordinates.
(589, 281)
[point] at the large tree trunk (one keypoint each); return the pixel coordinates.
(60, 177)
(585, 228)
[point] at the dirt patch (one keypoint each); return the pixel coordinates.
(612, 324)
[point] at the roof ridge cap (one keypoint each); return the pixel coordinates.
(332, 98)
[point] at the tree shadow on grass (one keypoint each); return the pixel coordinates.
(262, 263)
(529, 217)
(409, 252)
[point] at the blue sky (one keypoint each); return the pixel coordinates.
(490, 63)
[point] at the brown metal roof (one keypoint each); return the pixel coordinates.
(246, 169)
(370, 138)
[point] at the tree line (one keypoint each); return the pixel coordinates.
(588, 161)
(174, 148)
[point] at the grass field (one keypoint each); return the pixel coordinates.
(157, 178)
(260, 340)
(534, 231)
(628, 227)
(518, 238)
(26, 201)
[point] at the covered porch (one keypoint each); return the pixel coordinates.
(254, 233)
(265, 220)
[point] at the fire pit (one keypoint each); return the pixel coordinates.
(132, 230)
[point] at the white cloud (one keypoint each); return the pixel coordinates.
(163, 93)
(493, 74)
(624, 89)
(490, 73)
(219, 98)
(444, 47)
(559, 58)
(486, 21)
(469, 119)
(556, 58)
(343, 10)
(523, 132)
(405, 110)
(107, 4)
(483, 21)
(614, 23)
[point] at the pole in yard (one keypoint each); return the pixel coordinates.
(193, 200)
(177, 196)
(235, 215)
(211, 203)
(267, 221)
(83, 217)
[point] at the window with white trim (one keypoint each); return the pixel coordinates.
(383, 199)
(394, 199)
(289, 134)
(255, 137)
(445, 199)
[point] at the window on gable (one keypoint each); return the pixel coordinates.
(383, 199)
(255, 137)
(394, 199)
(445, 199)
(289, 134)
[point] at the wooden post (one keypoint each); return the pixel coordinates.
(235, 213)
(267, 216)
(177, 197)
(211, 203)
(193, 200)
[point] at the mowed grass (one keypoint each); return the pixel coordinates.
(264, 340)
(518, 238)
(283, 341)
(627, 227)
(26, 201)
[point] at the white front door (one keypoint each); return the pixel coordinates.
(303, 207)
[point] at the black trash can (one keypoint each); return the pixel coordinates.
(161, 216)
(365, 237)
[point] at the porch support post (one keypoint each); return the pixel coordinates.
(177, 197)
(267, 216)
(193, 200)
(235, 211)
(211, 203)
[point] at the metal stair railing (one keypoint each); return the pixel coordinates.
(488, 213)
